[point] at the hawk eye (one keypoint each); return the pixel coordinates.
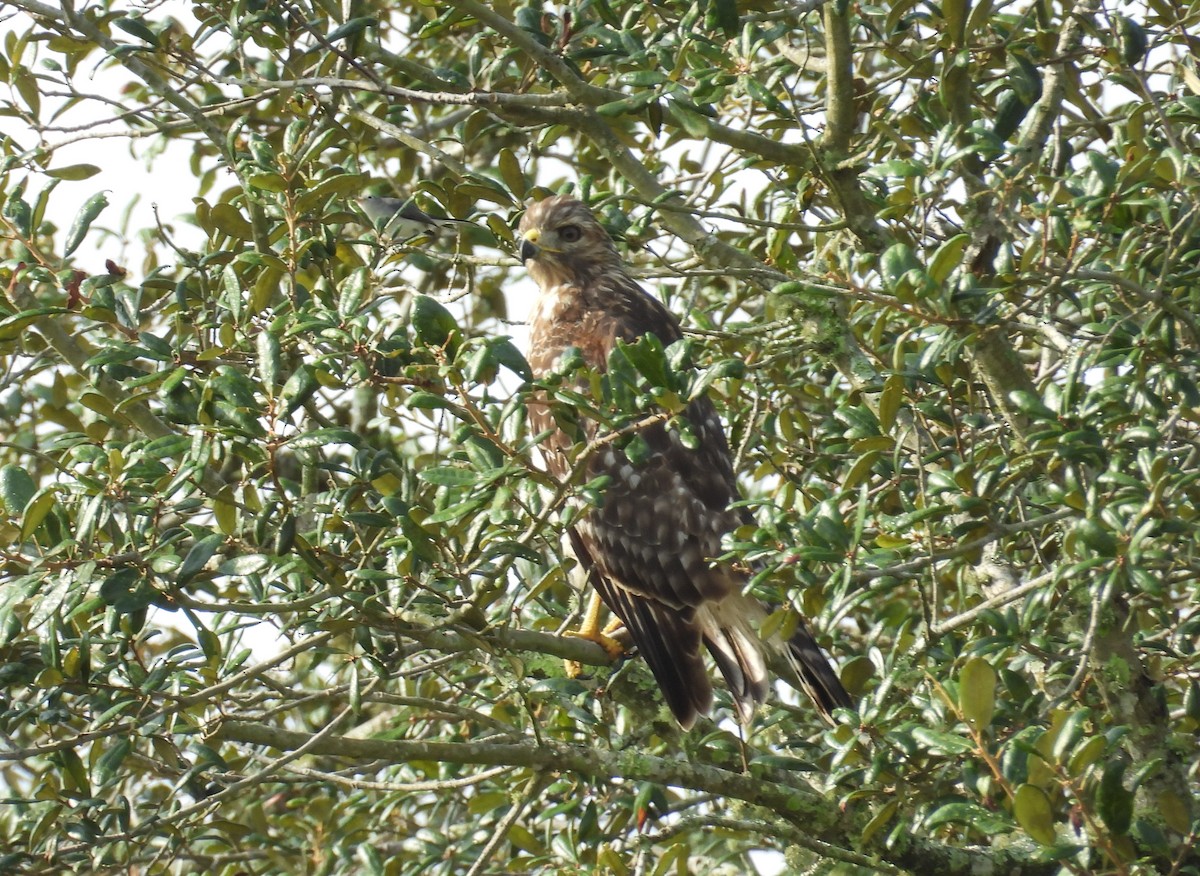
(570, 233)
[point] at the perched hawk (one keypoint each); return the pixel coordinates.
(649, 548)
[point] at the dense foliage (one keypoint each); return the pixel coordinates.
(281, 580)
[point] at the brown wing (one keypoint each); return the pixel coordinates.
(648, 548)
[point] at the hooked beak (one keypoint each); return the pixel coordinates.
(529, 247)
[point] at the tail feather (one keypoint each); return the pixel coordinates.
(669, 638)
(740, 661)
(814, 675)
(737, 651)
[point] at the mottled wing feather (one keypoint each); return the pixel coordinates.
(649, 547)
(669, 640)
(650, 544)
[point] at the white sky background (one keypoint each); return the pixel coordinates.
(166, 181)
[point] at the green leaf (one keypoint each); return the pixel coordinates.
(225, 511)
(723, 15)
(1086, 754)
(506, 353)
(92, 208)
(897, 261)
(227, 218)
(429, 401)
(73, 172)
(267, 182)
(368, 518)
(511, 173)
(647, 356)
(637, 450)
(449, 477)
(110, 762)
(511, 548)
(889, 401)
(860, 470)
(761, 94)
(324, 437)
(269, 358)
(457, 511)
(977, 692)
(235, 386)
(134, 26)
(246, 564)
(627, 105)
(432, 322)
(299, 388)
(285, 538)
(122, 590)
(642, 78)
(352, 290)
(1010, 112)
(955, 13)
(1113, 801)
(1031, 404)
(16, 489)
(690, 117)
(948, 257)
(36, 510)
(1132, 39)
(1033, 812)
(156, 347)
(942, 743)
(196, 559)
(75, 775)
(352, 27)
(983, 820)
(11, 327)
(885, 814)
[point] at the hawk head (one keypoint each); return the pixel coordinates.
(561, 242)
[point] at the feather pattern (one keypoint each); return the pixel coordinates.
(648, 549)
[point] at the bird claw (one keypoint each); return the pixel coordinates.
(613, 647)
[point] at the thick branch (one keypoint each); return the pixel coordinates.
(772, 790)
(1040, 122)
(590, 95)
(840, 119)
(1133, 699)
(994, 357)
(797, 804)
(447, 641)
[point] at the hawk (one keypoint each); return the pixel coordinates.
(649, 548)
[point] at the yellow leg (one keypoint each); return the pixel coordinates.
(590, 630)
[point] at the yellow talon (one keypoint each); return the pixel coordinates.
(590, 630)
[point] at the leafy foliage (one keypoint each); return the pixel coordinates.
(281, 580)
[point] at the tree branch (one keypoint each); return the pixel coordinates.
(840, 121)
(164, 89)
(589, 95)
(772, 790)
(1040, 123)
